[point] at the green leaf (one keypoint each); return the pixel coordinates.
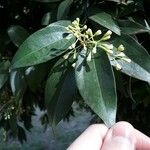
(131, 27)
(96, 84)
(4, 68)
(107, 21)
(132, 69)
(135, 51)
(63, 9)
(59, 93)
(17, 34)
(18, 83)
(43, 45)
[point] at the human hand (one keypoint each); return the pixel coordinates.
(121, 136)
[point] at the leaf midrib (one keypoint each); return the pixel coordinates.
(99, 86)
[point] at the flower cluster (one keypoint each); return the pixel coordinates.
(86, 38)
(8, 113)
(119, 54)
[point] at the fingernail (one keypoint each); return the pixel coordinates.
(122, 138)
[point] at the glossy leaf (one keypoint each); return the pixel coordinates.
(96, 84)
(131, 27)
(17, 34)
(106, 21)
(63, 9)
(59, 93)
(43, 45)
(132, 69)
(135, 51)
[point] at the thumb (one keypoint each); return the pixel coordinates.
(119, 137)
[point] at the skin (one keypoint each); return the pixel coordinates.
(121, 136)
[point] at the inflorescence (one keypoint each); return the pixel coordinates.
(86, 38)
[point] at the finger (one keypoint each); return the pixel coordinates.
(119, 137)
(142, 141)
(90, 139)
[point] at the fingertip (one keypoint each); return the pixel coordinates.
(119, 137)
(91, 138)
(142, 141)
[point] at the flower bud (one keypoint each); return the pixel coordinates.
(121, 48)
(73, 65)
(99, 32)
(118, 66)
(66, 56)
(74, 55)
(104, 38)
(108, 33)
(85, 27)
(78, 20)
(126, 59)
(73, 45)
(89, 32)
(94, 50)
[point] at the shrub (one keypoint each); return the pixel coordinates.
(54, 51)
